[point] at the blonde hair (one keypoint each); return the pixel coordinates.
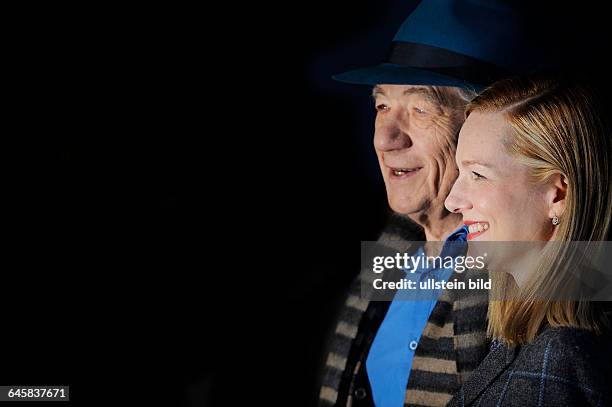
(556, 130)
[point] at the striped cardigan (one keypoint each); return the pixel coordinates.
(452, 345)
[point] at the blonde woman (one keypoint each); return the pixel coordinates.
(535, 164)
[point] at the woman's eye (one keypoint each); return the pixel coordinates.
(476, 176)
(381, 107)
(420, 110)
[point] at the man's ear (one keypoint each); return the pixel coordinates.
(556, 195)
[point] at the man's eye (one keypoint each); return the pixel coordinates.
(476, 176)
(381, 107)
(420, 110)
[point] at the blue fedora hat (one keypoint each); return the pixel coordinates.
(467, 43)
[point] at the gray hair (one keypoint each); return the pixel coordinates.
(466, 94)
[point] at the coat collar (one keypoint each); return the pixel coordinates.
(496, 363)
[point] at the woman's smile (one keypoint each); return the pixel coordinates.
(476, 228)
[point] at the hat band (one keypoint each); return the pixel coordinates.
(444, 62)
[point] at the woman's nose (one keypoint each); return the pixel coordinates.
(457, 201)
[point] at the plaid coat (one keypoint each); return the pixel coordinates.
(452, 345)
(561, 367)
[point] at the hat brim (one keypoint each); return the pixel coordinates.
(392, 74)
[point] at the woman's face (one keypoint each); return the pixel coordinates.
(493, 191)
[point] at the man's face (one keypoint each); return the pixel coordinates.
(415, 139)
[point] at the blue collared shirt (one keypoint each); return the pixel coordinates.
(390, 358)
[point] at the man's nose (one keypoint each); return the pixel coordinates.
(457, 200)
(391, 135)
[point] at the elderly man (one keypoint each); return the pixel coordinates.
(419, 352)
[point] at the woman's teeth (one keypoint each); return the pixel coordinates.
(478, 227)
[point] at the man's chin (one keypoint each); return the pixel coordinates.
(408, 209)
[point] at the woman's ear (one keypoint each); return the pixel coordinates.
(556, 195)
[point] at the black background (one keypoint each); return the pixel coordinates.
(187, 188)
